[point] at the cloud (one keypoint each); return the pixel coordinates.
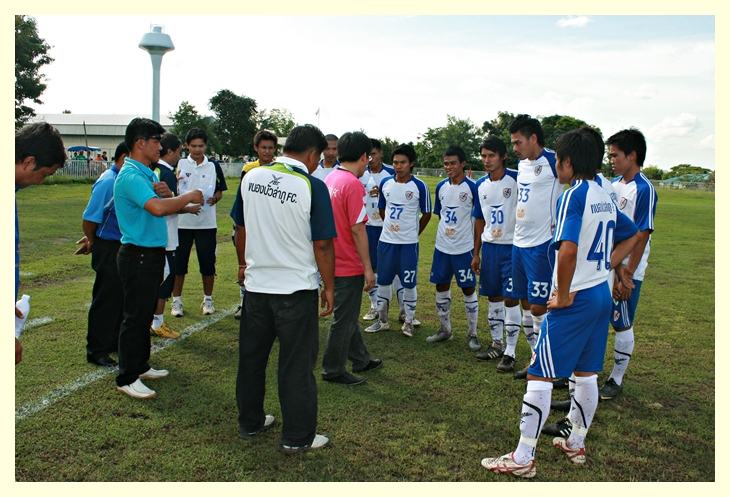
(646, 91)
(573, 22)
(674, 126)
(708, 142)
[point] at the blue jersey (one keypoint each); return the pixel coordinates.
(454, 206)
(402, 203)
(588, 217)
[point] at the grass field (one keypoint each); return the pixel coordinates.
(430, 414)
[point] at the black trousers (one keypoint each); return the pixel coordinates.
(140, 270)
(205, 243)
(345, 339)
(105, 313)
(166, 287)
(293, 319)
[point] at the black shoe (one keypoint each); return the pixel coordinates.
(103, 360)
(373, 364)
(345, 379)
(492, 352)
(562, 382)
(610, 390)
(268, 423)
(506, 365)
(560, 429)
(560, 405)
(521, 374)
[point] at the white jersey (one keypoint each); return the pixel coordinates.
(537, 194)
(192, 176)
(496, 205)
(637, 199)
(322, 172)
(371, 181)
(402, 203)
(606, 184)
(588, 217)
(171, 219)
(454, 206)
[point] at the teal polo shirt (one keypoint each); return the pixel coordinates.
(132, 189)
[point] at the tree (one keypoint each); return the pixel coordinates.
(389, 144)
(31, 53)
(653, 172)
(235, 123)
(187, 117)
(682, 169)
(435, 141)
(499, 127)
(280, 121)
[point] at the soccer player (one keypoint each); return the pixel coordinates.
(494, 225)
(538, 190)
(371, 179)
(637, 198)
(401, 198)
(329, 160)
(452, 254)
(574, 334)
(264, 144)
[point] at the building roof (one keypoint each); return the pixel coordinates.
(94, 119)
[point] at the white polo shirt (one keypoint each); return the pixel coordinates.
(191, 176)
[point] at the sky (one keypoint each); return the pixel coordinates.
(399, 76)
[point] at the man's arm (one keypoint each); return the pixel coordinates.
(566, 260)
(239, 239)
(635, 255)
(425, 218)
(324, 255)
(87, 241)
(478, 230)
(360, 237)
(165, 206)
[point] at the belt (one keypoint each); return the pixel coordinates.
(136, 249)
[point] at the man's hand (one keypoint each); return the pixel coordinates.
(85, 247)
(195, 197)
(241, 274)
(625, 277)
(328, 302)
(215, 198)
(192, 209)
(476, 265)
(559, 302)
(18, 313)
(18, 348)
(162, 190)
(369, 280)
(374, 192)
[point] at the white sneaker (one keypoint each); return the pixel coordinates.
(268, 423)
(138, 390)
(506, 465)
(177, 308)
(407, 329)
(402, 319)
(377, 326)
(207, 306)
(239, 310)
(154, 374)
(319, 442)
(371, 315)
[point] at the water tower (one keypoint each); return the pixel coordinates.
(157, 44)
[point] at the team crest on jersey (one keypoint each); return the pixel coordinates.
(623, 203)
(409, 195)
(463, 196)
(187, 174)
(275, 180)
(538, 170)
(507, 192)
(520, 213)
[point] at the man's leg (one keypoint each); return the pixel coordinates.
(106, 301)
(343, 326)
(182, 257)
(622, 322)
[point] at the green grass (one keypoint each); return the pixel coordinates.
(431, 413)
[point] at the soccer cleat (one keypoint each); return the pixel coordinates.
(402, 319)
(492, 352)
(407, 329)
(237, 314)
(207, 306)
(319, 442)
(507, 465)
(560, 405)
(441, 336)
(268, 423)
(154, 374)
(177, 308)
(576, 456)
(165, 331)
(506, 365)
(371, 315)
(561, 382)
(473, 342)
(521, 374)
(138, 390)
(560, 429)
(610, 390)
(377, 326)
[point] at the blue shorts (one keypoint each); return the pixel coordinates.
(495, 279)
(397, 260)
(622, 317)
(574, 338)
(444, 266)
(532, 272)
(373, 233)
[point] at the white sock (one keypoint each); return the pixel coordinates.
(571, 385)
(399, 292)
(207, 297)
(532, 334)
(157, 320)
(373, 294)
(534, 413)
(410, 297)
(511, 329)
(443, 309)
(471, 306)
(623, 347)
(526, 318)
(585, 403)
(384, 295)
(496, 316)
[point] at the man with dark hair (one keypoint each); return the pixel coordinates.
(288, 243)
(264, 144)
(574, 333)
(402, 196)
(494, 226)
(329, 160)
(101, 240)
(196, 172)
(353, 271)
(537, 195)
(141, 258)
(39, 153)
(456, 196)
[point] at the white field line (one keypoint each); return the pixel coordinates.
(35, 323)
(57, 394)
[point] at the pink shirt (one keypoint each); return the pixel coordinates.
(348, 207)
